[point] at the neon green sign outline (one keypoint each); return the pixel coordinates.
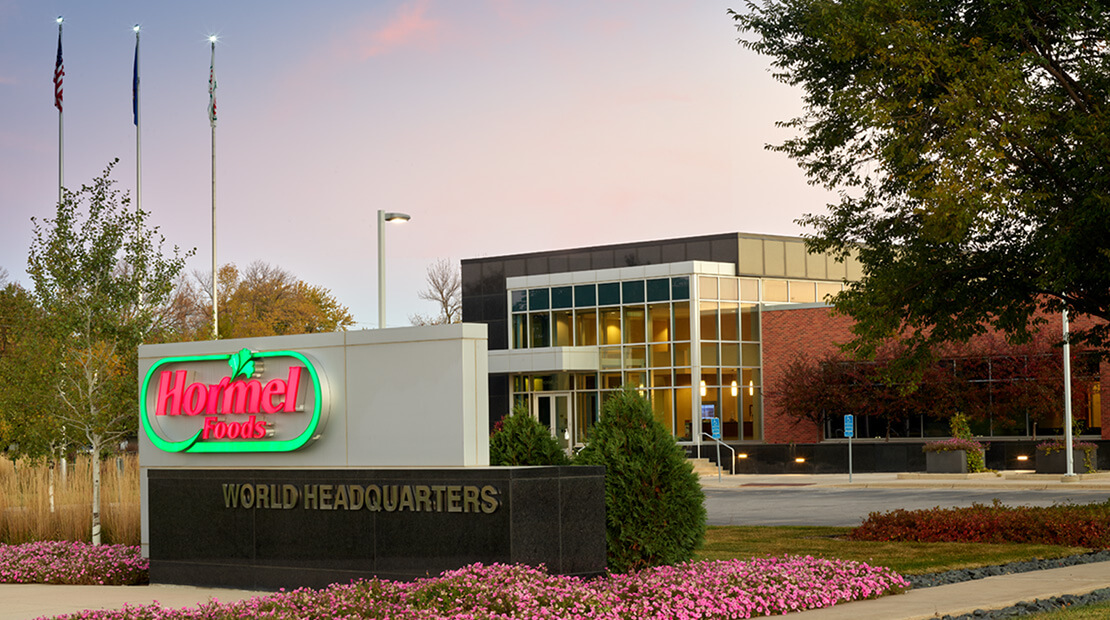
(193, 445)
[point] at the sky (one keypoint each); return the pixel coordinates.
(500, 126)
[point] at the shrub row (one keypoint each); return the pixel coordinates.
(1086, 525)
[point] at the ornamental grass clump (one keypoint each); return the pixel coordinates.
(520, 439)
(654, 505)
(73, 563)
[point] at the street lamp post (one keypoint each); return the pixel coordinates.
(384, 217)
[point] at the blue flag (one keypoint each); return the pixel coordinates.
(135, 85)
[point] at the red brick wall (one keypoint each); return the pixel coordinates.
(787, 334)
(815, 332)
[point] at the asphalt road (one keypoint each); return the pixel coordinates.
(809, 505)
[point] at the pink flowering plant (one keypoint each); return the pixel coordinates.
(953, 443)
(72, 563)
(1057, 445)
(703, 590)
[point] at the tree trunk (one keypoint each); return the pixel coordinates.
(51, 482)
(96, 441)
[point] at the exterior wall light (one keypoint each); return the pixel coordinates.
(1022, 457)
(800, 459)
(742, 455)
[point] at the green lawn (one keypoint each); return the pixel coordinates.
(908, 558)
(1090, 612)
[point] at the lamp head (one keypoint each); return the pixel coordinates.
(396, 217)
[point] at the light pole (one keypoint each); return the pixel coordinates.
(384, 217)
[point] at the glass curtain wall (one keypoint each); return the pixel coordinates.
(683, 342)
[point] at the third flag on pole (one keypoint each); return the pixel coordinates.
(212, 90)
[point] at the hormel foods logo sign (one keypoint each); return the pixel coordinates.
(243, 402)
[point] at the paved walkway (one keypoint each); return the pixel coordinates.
(26, 601)
(20, 601)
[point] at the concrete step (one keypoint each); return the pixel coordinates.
(703, 467)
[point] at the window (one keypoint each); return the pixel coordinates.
(585, 329)
(585, 295)
(611, 326)
(563, 328)
(538, 299)
(659, 290)
(540, 329)
(608, 294)
(708, 320)
(633, 291)
(634, 324)
(774, 290)
(561, 297)
(659, 322)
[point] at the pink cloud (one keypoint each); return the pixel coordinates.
(408, 26)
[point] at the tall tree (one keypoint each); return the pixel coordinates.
(100, 281)
(445, 291)
(968, 141)
(28, 376)
(261, 300)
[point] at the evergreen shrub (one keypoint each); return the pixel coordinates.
(654, 505)
(520, 439)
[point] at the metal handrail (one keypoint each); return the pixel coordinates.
(732, 467)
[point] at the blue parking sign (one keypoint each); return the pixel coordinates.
(849, 426)
(715, 428)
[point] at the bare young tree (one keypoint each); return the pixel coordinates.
(444, 290)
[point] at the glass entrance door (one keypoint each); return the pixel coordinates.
(553, 409)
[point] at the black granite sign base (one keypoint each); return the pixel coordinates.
(279, 528)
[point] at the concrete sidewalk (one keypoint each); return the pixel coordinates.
(20, 601)
(964, 598)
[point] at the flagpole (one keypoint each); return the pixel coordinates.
(212, 122)
(135, 109)
(138, 130)
(59, 71)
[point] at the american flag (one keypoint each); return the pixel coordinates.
(59, 72)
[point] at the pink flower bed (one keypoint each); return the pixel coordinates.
(74, 563)
(695, 590)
